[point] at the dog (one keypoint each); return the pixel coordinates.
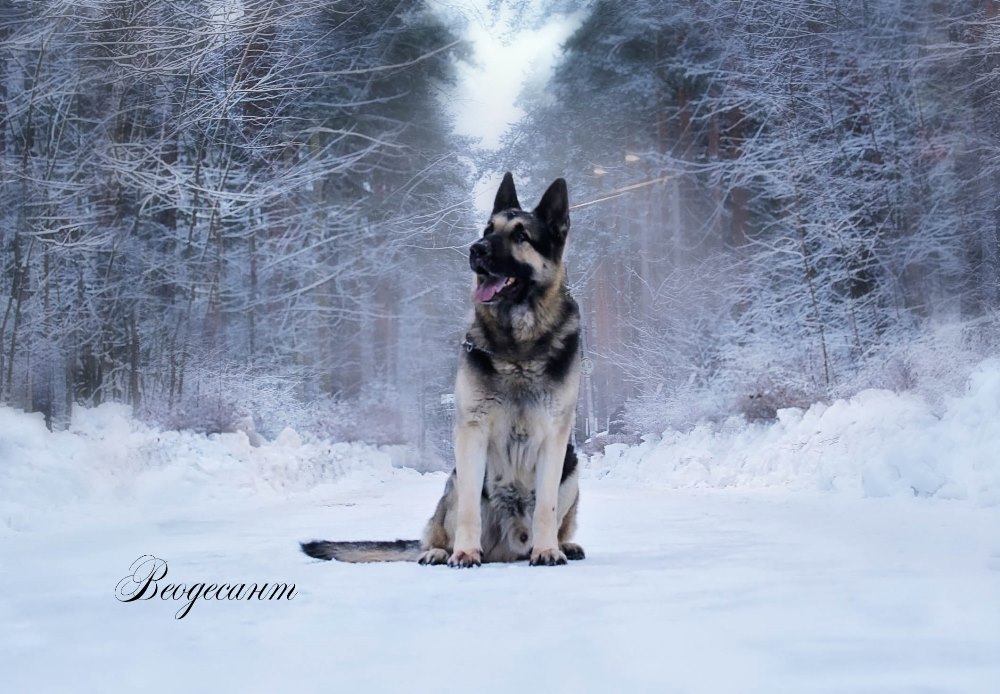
(514, 492)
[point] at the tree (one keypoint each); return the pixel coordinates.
(207, 201)
(813, 200)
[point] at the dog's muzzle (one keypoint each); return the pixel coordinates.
(479, 253)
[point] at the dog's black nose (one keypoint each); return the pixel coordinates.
(479, 254)
(480, 249)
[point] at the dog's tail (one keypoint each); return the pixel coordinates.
(363, 551)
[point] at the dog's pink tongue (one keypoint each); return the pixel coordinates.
(489, 288)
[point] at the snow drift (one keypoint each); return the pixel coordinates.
(108, 459)
(877, 443)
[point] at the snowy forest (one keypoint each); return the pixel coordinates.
(230, 210)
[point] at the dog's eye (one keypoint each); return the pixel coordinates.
(519, 236)
(488, 230)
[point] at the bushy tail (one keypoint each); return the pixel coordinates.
(363, 551)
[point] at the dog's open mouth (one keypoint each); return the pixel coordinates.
(490, 287)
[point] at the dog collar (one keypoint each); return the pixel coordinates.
(470, 346)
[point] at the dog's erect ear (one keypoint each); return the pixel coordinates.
(554, 208)
(506, 198)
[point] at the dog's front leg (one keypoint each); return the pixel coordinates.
(545, 524)
(470, 468)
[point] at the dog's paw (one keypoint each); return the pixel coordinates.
(572, 551)
(466, 558)
(547, 557)
(434, 555)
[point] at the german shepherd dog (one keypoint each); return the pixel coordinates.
(514, 491)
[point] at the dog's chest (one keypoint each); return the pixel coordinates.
(522, 382)
(515, 444)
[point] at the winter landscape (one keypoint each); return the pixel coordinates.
(234, 280)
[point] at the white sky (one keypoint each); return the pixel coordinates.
(509, 51)
(507, 54)
(484, 104)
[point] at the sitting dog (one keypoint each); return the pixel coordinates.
(514, 491)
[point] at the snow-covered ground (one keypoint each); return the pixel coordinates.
(683, 590)
(790, 558)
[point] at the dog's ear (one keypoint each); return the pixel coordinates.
(506, 198)
(554, 209)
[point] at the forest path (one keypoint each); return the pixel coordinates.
(682, 590)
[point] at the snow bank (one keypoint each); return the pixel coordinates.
(108, 459)
(878, 443)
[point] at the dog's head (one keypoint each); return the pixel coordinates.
(520, 253)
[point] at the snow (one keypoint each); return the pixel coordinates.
(851, 547)
(692, 590)
(107, 458)
(878, 443)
